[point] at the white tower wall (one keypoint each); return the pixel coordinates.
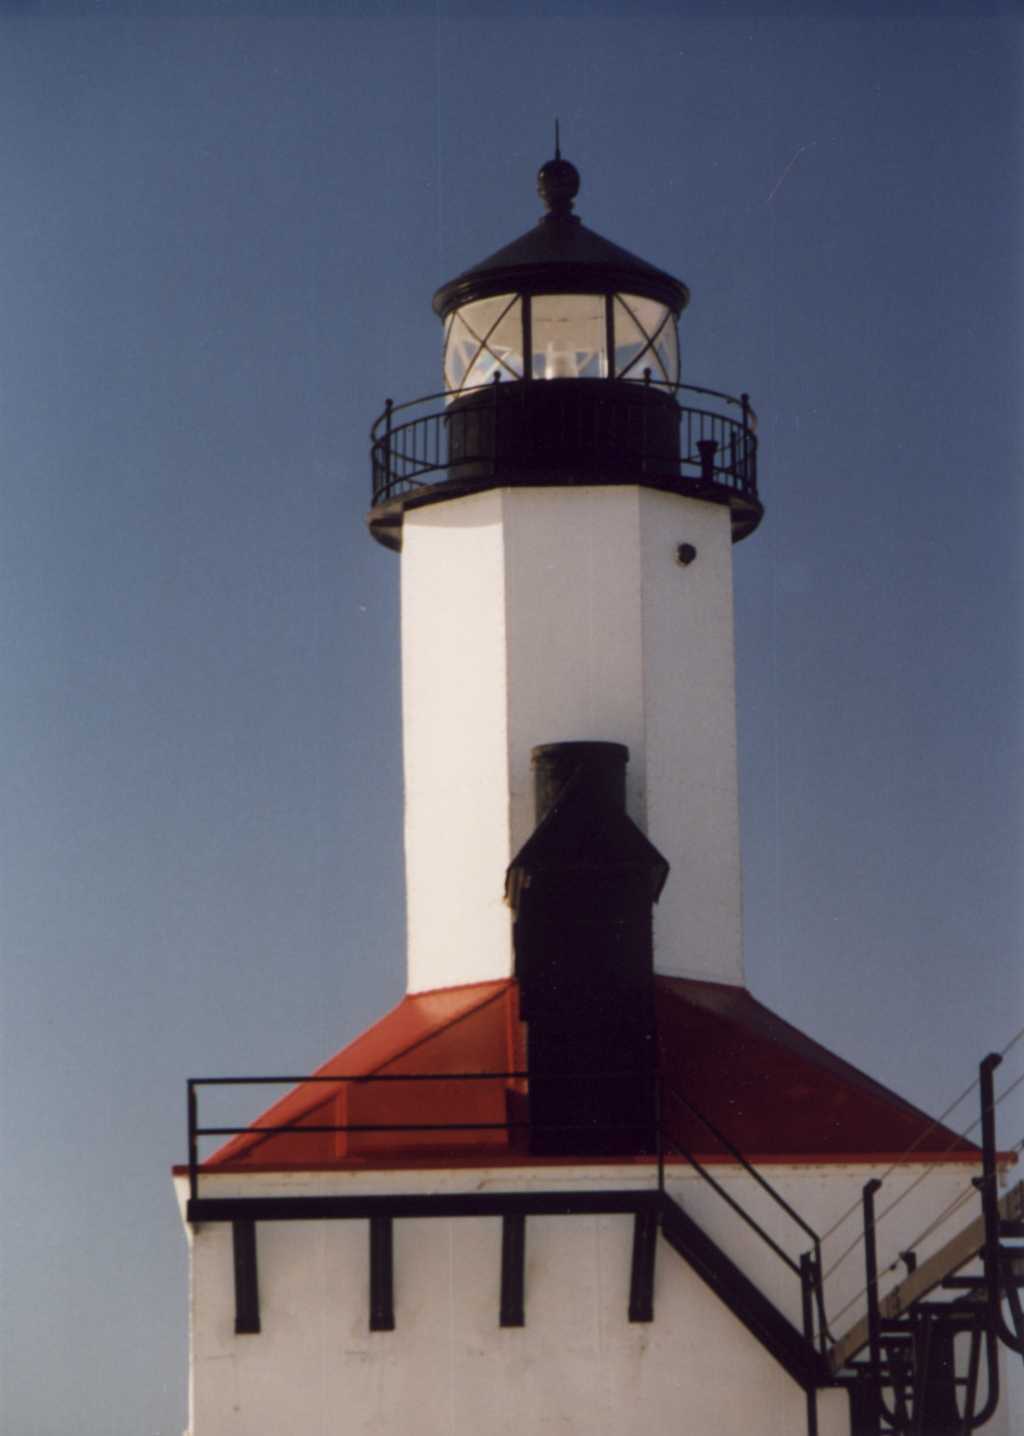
(538, 615)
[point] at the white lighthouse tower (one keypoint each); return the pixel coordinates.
(579, 1180)
(571, 578)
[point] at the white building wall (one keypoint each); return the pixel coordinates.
(542, 615)
(578, 1365)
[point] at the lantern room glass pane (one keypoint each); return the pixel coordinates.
(483, 339)
(568, 336)
(645, 338)
(666, 347)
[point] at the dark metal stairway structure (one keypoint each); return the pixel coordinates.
(791, 1348)
(898, 1362)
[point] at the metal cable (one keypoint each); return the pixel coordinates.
(943, 1216)
(923, 1175)
(966, 1194)
(1011, 1088)
(948, 1211)
(930, 1127)
(936, 1122)
(1012, 1042)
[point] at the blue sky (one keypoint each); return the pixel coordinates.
(222, 231)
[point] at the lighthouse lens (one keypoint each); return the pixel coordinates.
(481, 340)
(568, 336)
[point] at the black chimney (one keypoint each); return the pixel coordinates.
(582, 888)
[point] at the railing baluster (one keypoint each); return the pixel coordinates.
(389, 405)
(193, 1142)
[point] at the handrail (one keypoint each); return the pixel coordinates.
(196, 1131)
(277, 1081)
(698, 1167)
(807, 1269)
(743, 402)
(735, 1152)
(810, 1265)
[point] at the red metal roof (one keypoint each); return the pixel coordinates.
(452, 1030)
(775, 1094)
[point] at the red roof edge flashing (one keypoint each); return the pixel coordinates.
(447, 1161)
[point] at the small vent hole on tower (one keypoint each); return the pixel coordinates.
(685, 554)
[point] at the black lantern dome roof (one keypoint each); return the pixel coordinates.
(560, 256)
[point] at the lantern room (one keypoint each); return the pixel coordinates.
(561, 365)
(560, 336)
(560, 303)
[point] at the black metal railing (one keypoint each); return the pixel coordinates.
(588, 1140)
(442, 437)
(509, 1125)
(807, 1267)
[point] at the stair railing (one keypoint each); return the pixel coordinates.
(807, 1268)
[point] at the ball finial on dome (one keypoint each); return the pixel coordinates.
(558, 182)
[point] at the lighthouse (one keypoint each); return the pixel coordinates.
(570, 578)
(578, 1179)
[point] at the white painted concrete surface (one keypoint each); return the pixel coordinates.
(578, 1366)
(455, 741)
(690, 773)
(540, 615)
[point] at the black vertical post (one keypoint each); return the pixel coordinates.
(527, 303)
(819, 1299)
(871, 1273)
(659, 1118)
(494, 422)
(807, 1295)
(641, 1282)
(193, 1142)
(812, 1411)
(935, 1410)
(513, 1260)
(389, 404)
(247, 1290)
(921, 1348)
(863, 1410)
(644, 425)
(971, 1390)
(747, 439)
(993, 1254)
(989, 1192)
(609, 335)
(382, 1285)
(807, 1304)
(1013, 1299)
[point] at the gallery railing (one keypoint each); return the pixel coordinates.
(434, 439)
